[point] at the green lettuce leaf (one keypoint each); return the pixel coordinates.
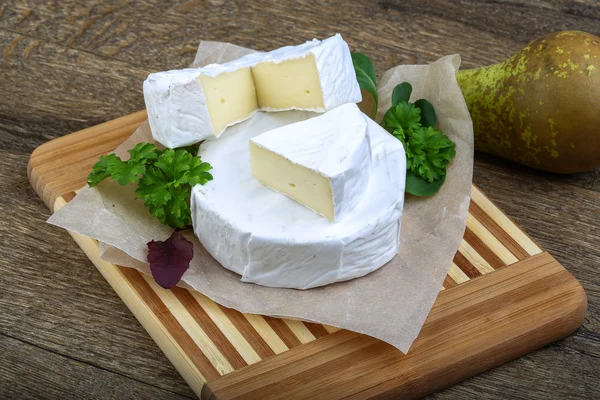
(367, 78)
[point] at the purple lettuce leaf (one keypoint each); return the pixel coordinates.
(170, 259)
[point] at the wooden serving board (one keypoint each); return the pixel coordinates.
(503, 297)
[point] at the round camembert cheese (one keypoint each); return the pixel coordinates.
(271, 239)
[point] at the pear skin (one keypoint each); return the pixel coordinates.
(540, 107)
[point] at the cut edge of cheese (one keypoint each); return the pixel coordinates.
(329, 77)
(230, 98)
(278, 87)
(322, 163)
(307, 187)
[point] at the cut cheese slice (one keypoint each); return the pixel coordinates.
(190, 105)
(230, 97)
(272, 240)
(290, 84)
(322, 163)
(316, 76)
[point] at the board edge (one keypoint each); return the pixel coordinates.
(231, 386)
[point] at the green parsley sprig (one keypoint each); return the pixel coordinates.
(428, 150)
(165, 179)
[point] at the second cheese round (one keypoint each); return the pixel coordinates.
(190, 105)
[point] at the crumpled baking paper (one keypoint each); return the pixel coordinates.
(391, 303)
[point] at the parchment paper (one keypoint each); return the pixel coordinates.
(390, 304)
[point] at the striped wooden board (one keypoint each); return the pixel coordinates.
(503, 297)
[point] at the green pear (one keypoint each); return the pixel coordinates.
(540, 107)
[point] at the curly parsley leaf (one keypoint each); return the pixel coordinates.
(168, 203)
(165, 178)
(198, 173)
(142, 153)
(166, 187)
(403, 115)
(178, 209)
(400, 134)
(124, 172)
(428, 150)
(174, 165)
(154, 188)
(103, 169)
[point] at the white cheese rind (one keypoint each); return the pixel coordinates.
(335, 145)
(176, 104)
(168, 97)
(272, 240)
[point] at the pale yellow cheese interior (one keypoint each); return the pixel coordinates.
(307, 187)
(288, 84)
(230, 97)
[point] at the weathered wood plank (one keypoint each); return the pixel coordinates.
(165, 34)
(52, 90)
(53, 297)
(68, 65)
(57, 376)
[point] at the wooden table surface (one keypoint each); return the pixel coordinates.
(67, 65)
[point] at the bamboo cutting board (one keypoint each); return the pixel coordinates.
(503, 297)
